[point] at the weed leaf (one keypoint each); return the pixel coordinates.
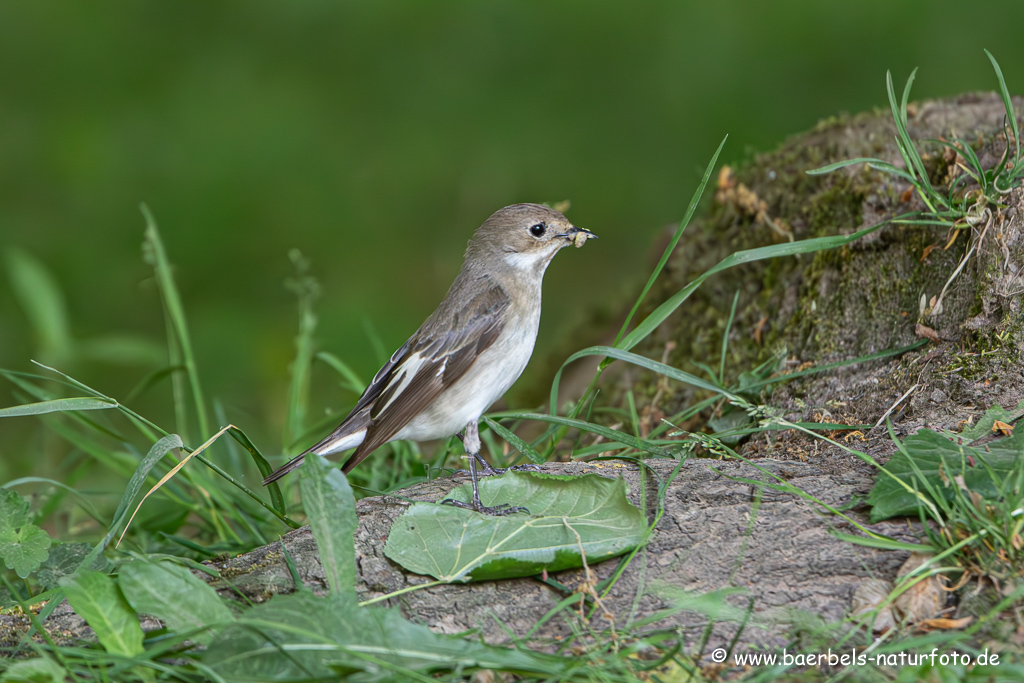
(985, 423)
(453, 544)
(96, 598)
(64, 560)
(174, 595)
(929, 461)
(303, 637)
(23, 545)
(331, 509)
(38, 670)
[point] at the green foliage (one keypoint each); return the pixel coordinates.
(23, 545)
(331, 510)
(301, 636)
(39, 670)
(986, 423)
(43, 302)
(927, 464)
(972, 491)
(97, 599)
(65, 559)
(171, 592)
(569, 516)
(513, 440)
(956, 203)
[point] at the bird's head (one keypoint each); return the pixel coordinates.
(524, 237)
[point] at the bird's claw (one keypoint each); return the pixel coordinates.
(487, 470)
(497, 510)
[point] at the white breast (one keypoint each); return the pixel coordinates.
(487, 380)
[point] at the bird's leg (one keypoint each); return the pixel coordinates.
(471, 440)
(489, 469)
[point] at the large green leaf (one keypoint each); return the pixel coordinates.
(567, 514)
(96, 598)
(929, 461)
(174, 595)
(303, 637)
(331, 509)
(23, 545)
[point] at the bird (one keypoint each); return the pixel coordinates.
(467, 354)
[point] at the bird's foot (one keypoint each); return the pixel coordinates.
(496, 511)
(487, 470)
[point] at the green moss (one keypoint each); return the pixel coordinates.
(832, 305)
(986, 354)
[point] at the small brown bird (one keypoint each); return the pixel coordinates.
(468, 352)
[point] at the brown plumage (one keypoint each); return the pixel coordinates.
(471, 348)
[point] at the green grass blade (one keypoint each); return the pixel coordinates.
(350, 380)
(644, 445)
(882, 543)
(71, 381)
(516, 443)
(807, 246)
(843, 164)
(837, 364)
(978, 174)
(725, 338)
(1008, 103)
(877, 164)
(907, 146)
(155, 454)
(305, 288)
(906, 96)
(157, 256)
(58, 405)
(265, 468)
(642, 361)
(893, 170)
(40, 297)
(694, 200)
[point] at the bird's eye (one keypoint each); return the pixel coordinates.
(538, 229)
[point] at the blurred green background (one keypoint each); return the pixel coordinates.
(374, 137)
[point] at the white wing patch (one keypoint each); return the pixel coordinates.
(341, 444)
(402, 377)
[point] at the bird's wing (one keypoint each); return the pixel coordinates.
(357, 420)
(435, 358)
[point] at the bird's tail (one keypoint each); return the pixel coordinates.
(332, 444)
(284, 469)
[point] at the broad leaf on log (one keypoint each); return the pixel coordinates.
(930, 461)
(568, 514)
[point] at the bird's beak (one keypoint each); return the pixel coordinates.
(577, 235)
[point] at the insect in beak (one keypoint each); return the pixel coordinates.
(578, 236)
